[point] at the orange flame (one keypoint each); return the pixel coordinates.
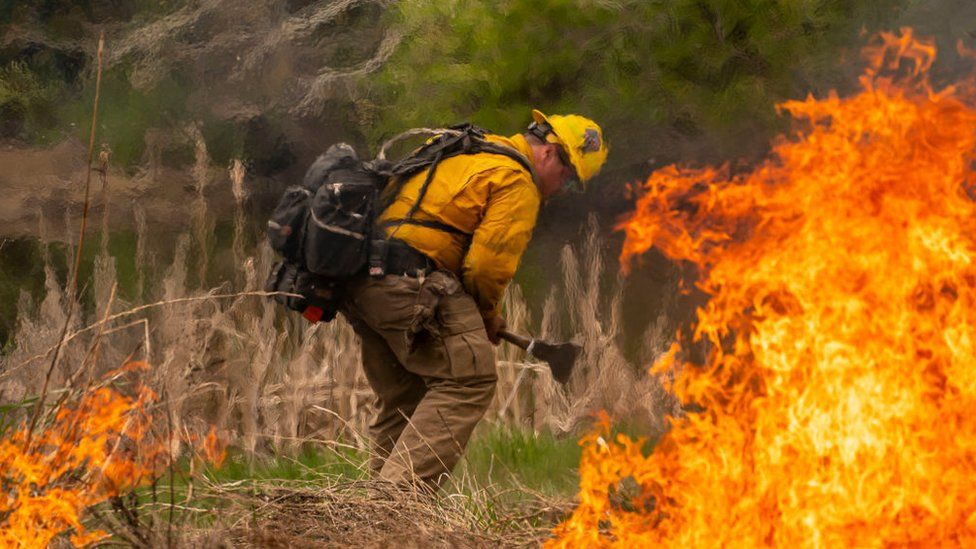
(90, 452)
(836, 402)
(214, 449)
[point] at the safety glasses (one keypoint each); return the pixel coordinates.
(571, 180)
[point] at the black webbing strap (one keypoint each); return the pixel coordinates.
(473, 142)
(420, 195)
(437, 225)
(423, 188)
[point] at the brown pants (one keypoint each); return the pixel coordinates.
(429, 362)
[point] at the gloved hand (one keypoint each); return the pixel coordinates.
(494, 325)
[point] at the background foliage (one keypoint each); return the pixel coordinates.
(649, 70)
(707, 72)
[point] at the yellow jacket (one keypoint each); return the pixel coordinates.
(489, 196)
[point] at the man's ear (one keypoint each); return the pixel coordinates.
(549, 151)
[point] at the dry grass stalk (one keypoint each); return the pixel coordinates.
(604, 379)
(73, 277)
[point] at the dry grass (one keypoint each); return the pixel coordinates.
(327, 511)
(269, 380)
(604, 379)
(271, 383)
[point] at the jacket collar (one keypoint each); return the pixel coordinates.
(520, 144)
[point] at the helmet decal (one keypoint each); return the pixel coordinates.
(591, 141)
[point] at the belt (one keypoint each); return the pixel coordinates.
(402, 259)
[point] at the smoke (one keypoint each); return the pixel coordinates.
(949, 22)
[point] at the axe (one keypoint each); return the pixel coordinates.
(561, 357)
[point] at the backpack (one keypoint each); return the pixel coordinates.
(325, 228)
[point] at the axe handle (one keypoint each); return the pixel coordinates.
(515, 339)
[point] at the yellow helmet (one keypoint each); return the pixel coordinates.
(581, 138)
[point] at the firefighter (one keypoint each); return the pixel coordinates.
(427, 327)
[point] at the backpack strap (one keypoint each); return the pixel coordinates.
(420, 195)
(456, 140)
(437, 225)
(459, 139)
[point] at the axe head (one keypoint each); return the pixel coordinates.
(560, 356)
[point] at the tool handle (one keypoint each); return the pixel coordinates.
(515, 339)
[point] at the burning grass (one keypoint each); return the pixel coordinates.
(91, 450)
(323, 497)
(835, 408)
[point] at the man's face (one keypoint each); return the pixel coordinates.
(553, 168)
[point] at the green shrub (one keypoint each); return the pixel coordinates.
(27, 101)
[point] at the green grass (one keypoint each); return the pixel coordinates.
(310, 463)
(498, 456)
(507, 457)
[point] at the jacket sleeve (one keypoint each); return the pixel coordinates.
(502, 235)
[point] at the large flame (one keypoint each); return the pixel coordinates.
(836, 407)
(91, 451)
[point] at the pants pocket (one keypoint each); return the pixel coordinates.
(458, 314)
(470, 354)
(463, 332)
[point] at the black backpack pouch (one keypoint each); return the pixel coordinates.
(339, 224)
(287, 222)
